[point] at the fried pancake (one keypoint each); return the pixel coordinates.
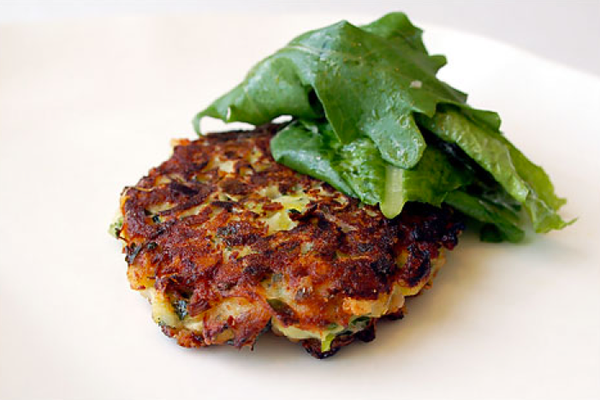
(226, 244)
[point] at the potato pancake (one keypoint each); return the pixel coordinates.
(226, 244)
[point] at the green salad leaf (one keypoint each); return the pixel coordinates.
(369, 115)
(367, 82)
(506, 223)
(358, 170)
(523, 180)
(303, 148)
(430, 181)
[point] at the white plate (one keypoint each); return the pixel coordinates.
(88, 107)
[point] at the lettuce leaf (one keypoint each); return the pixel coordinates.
(523, 180)
(430, 181)
(506, 222)
(366, 82)
(358, 169)
(303, 148)
(372, 120)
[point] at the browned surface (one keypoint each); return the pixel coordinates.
(192, 251)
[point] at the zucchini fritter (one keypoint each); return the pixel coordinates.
(226, 244)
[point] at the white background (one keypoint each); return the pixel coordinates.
(561, 30)
(88, 105)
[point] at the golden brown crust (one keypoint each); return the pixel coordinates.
(197, 231)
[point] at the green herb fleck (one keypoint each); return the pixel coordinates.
(326, 343)
(278, 305)
(116, 226)
(132, 252)
(180, 307)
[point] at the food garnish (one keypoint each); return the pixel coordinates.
(371, 118)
